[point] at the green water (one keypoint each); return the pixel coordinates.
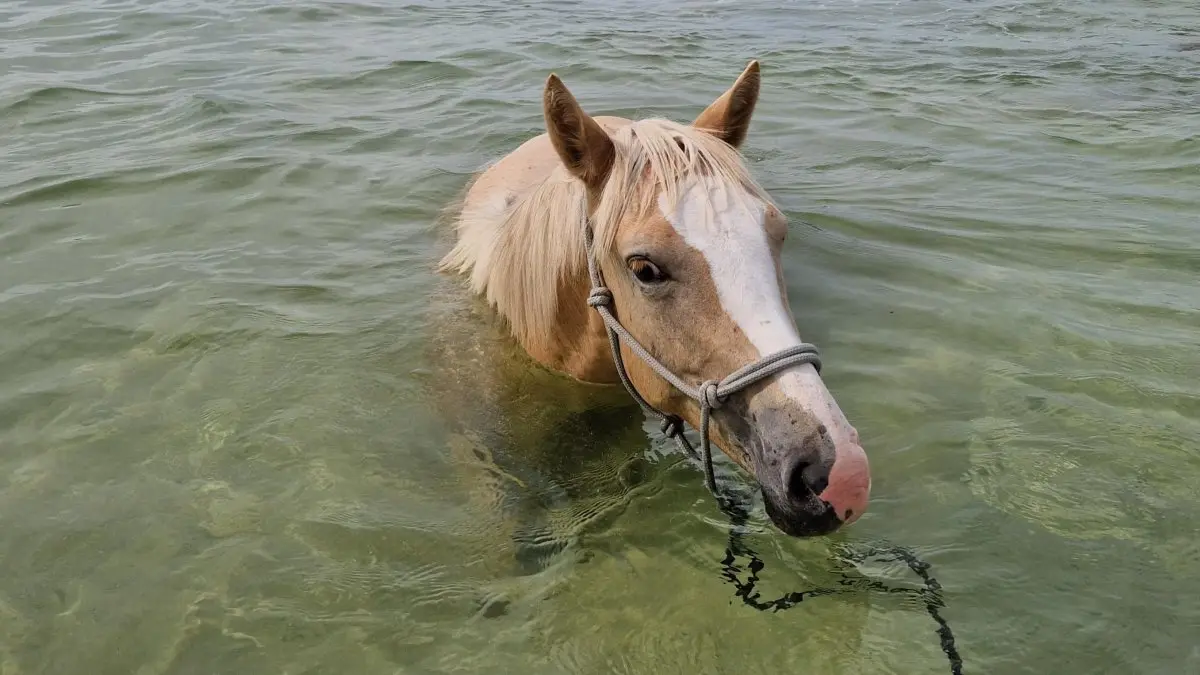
(227, 444)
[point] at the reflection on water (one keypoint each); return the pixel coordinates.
(244, 427)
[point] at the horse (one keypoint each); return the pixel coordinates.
(643, 252)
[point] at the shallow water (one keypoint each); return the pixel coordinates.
(226, 446)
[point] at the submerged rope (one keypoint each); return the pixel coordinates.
(930, 595)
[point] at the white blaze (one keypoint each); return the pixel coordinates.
(726, 225)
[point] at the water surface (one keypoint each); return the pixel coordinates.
(228, 442)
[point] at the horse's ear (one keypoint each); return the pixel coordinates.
(585, 149)
(729, 116)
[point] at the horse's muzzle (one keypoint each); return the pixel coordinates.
(811, 483)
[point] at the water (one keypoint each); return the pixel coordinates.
(225, 443)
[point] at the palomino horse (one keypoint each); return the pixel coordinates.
(668, 216)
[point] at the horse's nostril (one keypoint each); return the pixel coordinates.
(795, 481)
(807, 478)
(816, 478)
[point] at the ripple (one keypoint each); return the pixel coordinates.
(416, 74)
(27, 102)
(56, 188)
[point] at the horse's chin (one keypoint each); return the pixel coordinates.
(816, 519)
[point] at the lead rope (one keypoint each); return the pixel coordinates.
(710, 395)
(930, 596)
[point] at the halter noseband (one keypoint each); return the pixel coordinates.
(710, 394)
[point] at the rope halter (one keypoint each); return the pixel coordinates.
(710, 394)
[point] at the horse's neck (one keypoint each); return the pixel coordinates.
(578, 346)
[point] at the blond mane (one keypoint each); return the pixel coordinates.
(518, 256)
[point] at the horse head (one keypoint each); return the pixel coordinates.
(689, 247)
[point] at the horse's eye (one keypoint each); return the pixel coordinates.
(646, 271)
